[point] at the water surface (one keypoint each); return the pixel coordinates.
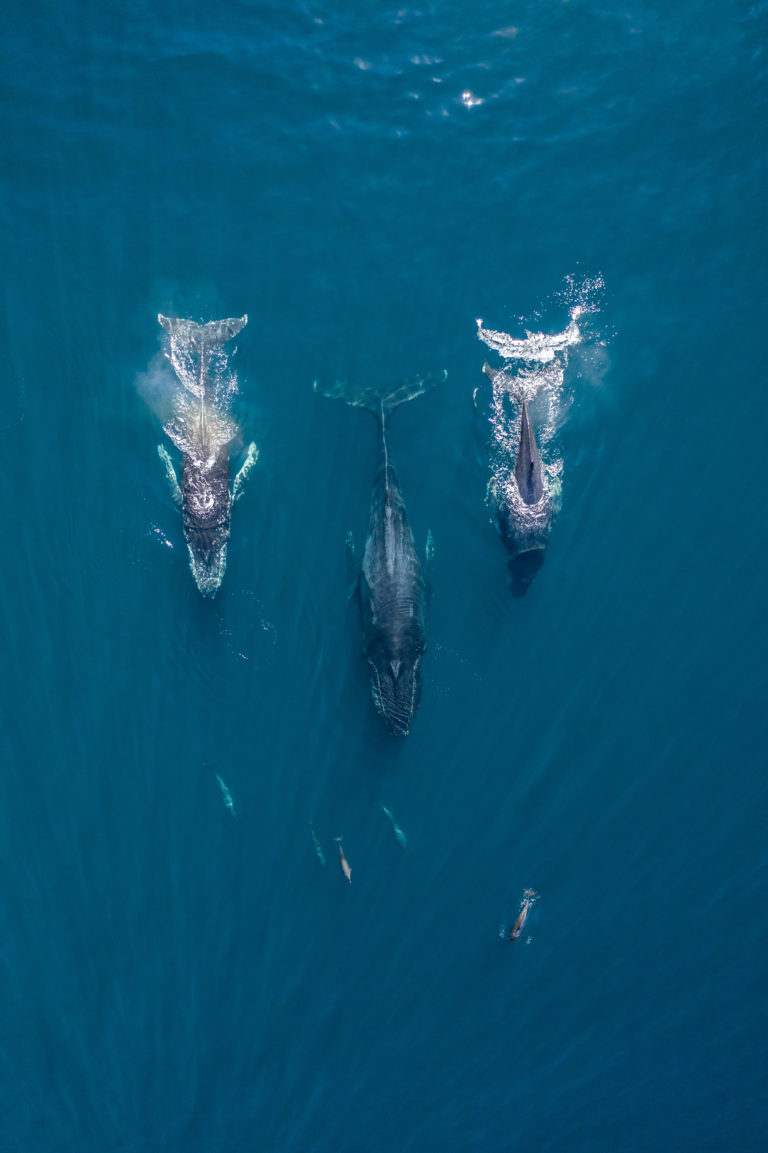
(365, 181)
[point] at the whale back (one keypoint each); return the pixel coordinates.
(528, 470)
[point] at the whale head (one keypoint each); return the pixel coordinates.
(525, 532)
(523, 568)
(396, 690)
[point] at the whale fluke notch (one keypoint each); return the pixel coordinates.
(212, 333)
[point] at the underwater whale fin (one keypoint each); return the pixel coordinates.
(214, 332)
(380, 401)
(251, 457)
(170, 472)
(353, 576)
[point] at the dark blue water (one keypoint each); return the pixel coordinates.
(364, 180)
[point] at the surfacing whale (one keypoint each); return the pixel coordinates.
(526, 495)
(202, 428)
(391, 584)
(522, 504)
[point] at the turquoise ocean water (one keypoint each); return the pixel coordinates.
(365, 180)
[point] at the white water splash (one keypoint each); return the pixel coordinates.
(159, 535)
(534, 346)
(184, 355)
(200, 424)
(195, 416)
(535, 370)
(470, 100)
(196, 435)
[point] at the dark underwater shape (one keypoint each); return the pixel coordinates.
(523, 508)
(203, 430)
(391, 584)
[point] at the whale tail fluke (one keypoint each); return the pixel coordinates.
(380, 401)
(213, 333)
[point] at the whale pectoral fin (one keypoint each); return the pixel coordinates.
(353, 576)
(250, 459)
(170, 473)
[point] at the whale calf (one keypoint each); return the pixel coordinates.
(202, 428)
(523, 507)
(391, 583)
(226, 796)
(346, 870)
(400, 836)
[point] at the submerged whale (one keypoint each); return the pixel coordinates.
(392, 582)
(523, 507)
(203, 429)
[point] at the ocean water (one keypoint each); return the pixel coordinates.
(366, 180)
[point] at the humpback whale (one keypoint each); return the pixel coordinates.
(203, 429)
(391, 584)
(523, 507)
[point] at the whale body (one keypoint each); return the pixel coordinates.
(391, 584)
(392, 598)
(203, 429)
